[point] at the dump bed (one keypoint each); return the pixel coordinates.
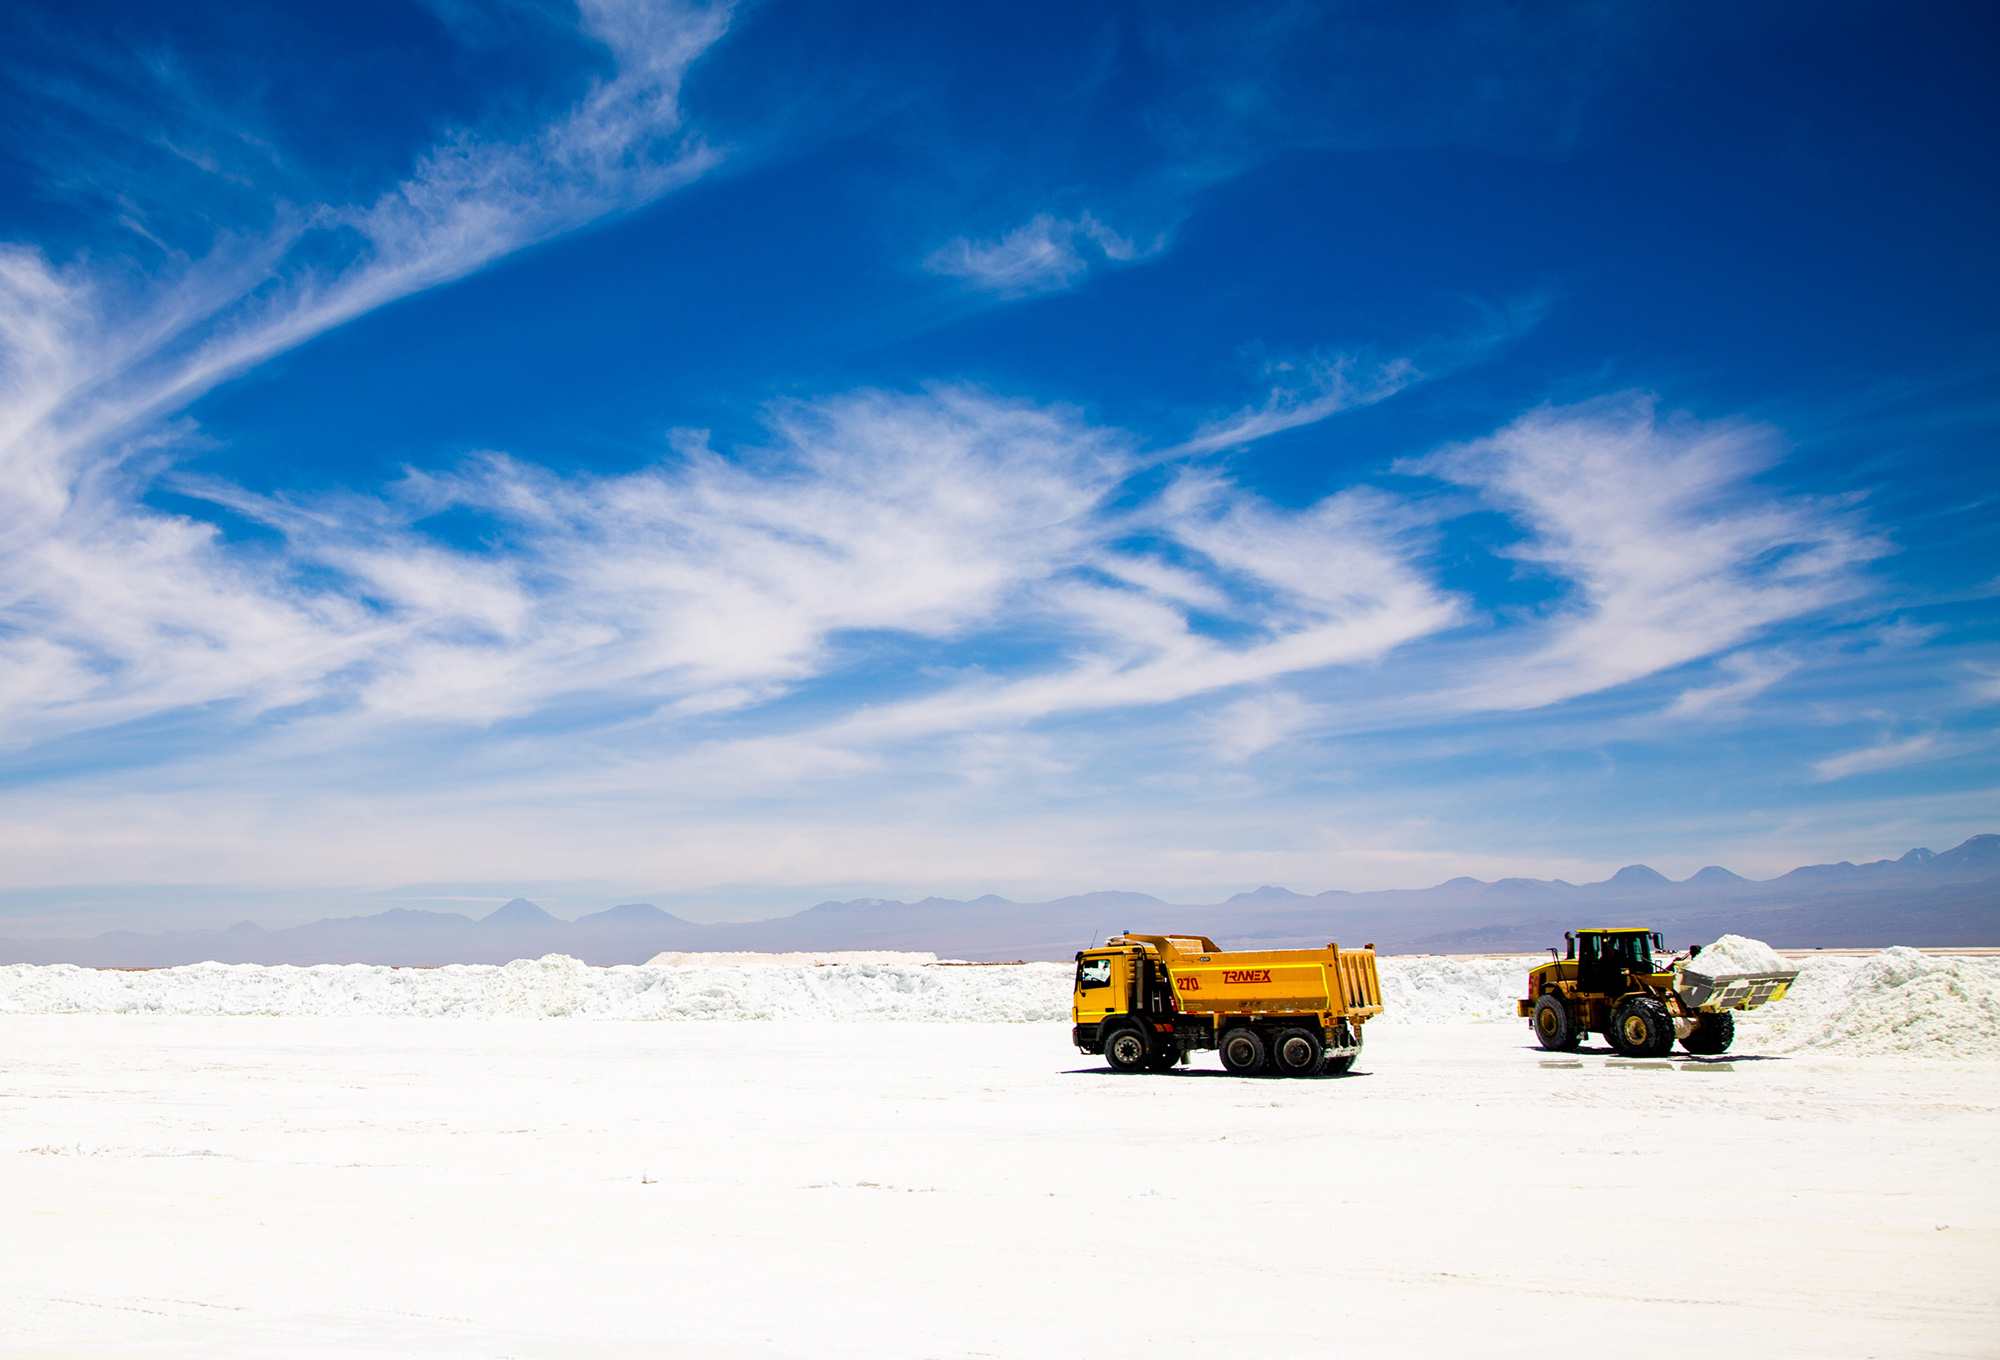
(1330, 981)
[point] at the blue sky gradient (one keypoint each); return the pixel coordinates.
(733, 456)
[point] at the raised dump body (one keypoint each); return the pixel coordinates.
(1146, 1001)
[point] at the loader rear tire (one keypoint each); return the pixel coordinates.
(1642, 1028)
(1553, 1026)
(1126, 1049)
(1242, 1051)
(1297, 1053)
(1715, 1032)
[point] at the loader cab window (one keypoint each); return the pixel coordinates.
(1630, 951)
(1603, 960)
(1093, 973)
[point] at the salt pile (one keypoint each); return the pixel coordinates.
(671, 959)
(1426, 990)
(1897, 1001)
(1433, 989)
(556, 986)
(1733, 955)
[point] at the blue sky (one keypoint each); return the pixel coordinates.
(733, 456)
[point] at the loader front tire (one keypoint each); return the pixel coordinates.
(1715, 1032)
(1297, 1053)
(1242, 1051)
(1126, 1049)
(1552, 1025)
(1642, 1028)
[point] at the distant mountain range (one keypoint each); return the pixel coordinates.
(1920, 899)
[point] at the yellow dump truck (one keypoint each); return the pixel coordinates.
(1145, 1002)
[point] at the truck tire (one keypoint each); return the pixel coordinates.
(1642, 1028)
(1715, 1032)
(1339, 1067)
(1165, 1053)
(1297, 1053)
(1552, 1025)
(1242, 1051)
(1126, 1049)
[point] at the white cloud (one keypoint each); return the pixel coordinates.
(1305, 392)
(1043, 254)
(1884, 755)
(1667, 548)
(1258, 723)
(111, 611)
(1752, 673)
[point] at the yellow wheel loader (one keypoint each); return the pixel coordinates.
(1612, 984)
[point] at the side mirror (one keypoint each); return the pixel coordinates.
(1656, 941)
(1570, 940)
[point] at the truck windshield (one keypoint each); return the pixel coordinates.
(1093, 973)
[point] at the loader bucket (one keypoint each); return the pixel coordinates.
(1732, 991)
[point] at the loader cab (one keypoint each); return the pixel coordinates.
(1605, 959)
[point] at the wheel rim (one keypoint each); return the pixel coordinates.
(1126, 1048)
(1296, 1053)
(1241, 1052)
(1546, 1021)
(1636, 1029)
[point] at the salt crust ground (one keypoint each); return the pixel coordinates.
(180, 1186)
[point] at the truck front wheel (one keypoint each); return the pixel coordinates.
(1126, 1049)
(1242, 1051)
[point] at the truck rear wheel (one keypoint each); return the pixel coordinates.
(1553, 1027)
(1126, 1049)
(1641, 1028)
(1297, 1053)
(1242, 1051)
(1713, 1033)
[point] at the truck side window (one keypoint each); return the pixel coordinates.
(1093, 973)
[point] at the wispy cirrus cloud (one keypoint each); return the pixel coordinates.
(1044, 254)
(1666, 547)
(1304, 392)
(87, 354)
(1883, 755)
(1748, 674)
(112, 610)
